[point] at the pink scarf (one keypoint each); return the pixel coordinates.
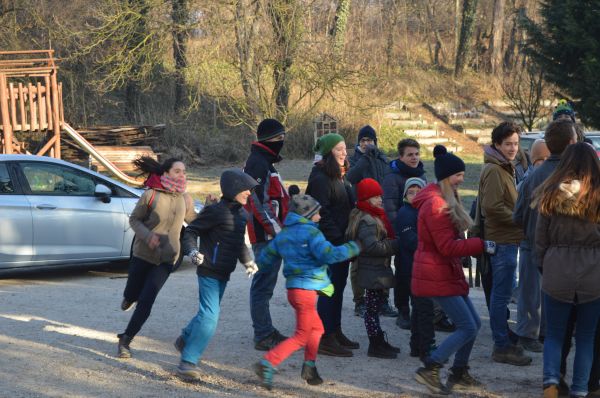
(173, 185)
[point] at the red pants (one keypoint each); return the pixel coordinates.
(309, 328)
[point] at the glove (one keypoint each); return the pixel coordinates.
(196, 257)
(251, 268)
(489, 246)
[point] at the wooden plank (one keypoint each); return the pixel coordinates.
(30, 102)
(42, 108)
(7, 129)
(13, 105)
(48, 104)
(38, 102)
(22, 106)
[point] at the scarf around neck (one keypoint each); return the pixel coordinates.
(173, 185)
(379, 213)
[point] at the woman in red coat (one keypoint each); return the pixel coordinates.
(438, 273)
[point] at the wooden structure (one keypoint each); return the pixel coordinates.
(324, 124)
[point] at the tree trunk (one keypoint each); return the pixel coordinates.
(496, 37)
(391, 16)
(340, 26)
(438, 46)
(180, 18)
(132, 89)
(466, 31)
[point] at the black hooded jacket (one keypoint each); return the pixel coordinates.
(393, 185)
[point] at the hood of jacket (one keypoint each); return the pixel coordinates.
(295, 218)
(494, 156)
(566, 201)
(425, 194)
(401, 168)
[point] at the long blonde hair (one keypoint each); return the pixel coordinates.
(459, 216)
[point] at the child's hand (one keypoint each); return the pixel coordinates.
(251, 268)
(196, 257)
(153, 241)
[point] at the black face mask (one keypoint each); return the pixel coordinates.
(275, 146)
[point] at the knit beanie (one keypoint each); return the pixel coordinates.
(411, 182)
(367, 132)
(326, 143)
(368, 188)
(269, 128)
(563, 108)
(445, 163)
(304, 205)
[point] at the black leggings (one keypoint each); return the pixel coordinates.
(422, 332)
(143, 284)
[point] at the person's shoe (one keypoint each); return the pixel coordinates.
(179, 344)
(345, 341)
(188, 370)
(359, 309)
(512, 355)
(403, 321)
(264, 370)
(123, 350)
(444, 325)
(329, 345)
(310, 374)
(594, 392)
(388, 345)
(377, 349)
(429, 376)
(126, 305)
(459, 379)
(532, 345)
(388, 310)
(270, 341)
(551, 391)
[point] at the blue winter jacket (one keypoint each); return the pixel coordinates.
(306, 254)
(406, 227)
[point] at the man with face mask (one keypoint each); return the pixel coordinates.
(267, 207)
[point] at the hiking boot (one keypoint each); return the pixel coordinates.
(377, 349)
(359, 309)
(388, 310)
(459, 379)
(329, 345)
(551, 391)
(345, 341)
(188, 370)
(388, 345)
(179, 344)
(429, 376)
(126, 305)
(123, 350)
(403, 321)
(512, 355)
(444, 325)
(310, 374)
(264, 370)
(270, 341)
(532, 345)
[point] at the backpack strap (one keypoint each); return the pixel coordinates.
(151, 201)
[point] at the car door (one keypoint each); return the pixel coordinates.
(69, 221)
(16, 229)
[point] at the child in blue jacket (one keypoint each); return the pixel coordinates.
(306, 253)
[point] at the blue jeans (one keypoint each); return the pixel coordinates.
(261, 291)
(503, 266)
(202, 327)
(330, 308)
(557, 315)
(529, 305)
(461, 311)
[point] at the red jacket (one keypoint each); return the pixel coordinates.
(437, 268)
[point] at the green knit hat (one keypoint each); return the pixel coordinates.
(326, 143)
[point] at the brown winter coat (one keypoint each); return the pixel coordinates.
(164, 216)
(497, 196)
(568, 246)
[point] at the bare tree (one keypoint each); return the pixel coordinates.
(496, 37)
(180, 16)
(469, 11)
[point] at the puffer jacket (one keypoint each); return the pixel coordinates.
(372, 164)
(374, 261)
(221, 228)
(406, 227)
(568, 246)
(393, 185)
(497, 198)
(305, 252)
(437, 267)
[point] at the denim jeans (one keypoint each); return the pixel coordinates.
(330, 308)
(261, 291)
(503, 266)
(557, 314)
(529, 305)
(461, 311)
(201, 328)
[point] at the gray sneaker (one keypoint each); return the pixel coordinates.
(532, 345)
(511, 354)
(188, 370)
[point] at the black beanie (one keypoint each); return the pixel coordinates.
(446, 164)
(269, 128)
(367, 131)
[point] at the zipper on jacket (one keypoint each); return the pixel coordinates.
(215, 250)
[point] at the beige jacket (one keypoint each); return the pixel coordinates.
(165, 217)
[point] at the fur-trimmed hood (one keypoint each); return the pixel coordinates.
(566, 202)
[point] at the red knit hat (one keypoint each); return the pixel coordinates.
(368, 188)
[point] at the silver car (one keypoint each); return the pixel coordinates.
(54, 213)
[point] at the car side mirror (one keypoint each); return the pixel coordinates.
(103, 193)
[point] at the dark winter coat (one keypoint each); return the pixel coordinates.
(437, 267)
(406, 227)
(336, 199)
(393, 185)
(568, 247)
(221, 228)
(371, 164)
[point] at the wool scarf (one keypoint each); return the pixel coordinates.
(377, 212)
(173, 185)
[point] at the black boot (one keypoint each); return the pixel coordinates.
(460, 379)
(330, 346)
(123, 348)
(388, 345)
(377, 348)
(310, 374)
(429, 376)
(345, 341)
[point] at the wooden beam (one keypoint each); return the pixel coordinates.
(47, 146)
(7, 128)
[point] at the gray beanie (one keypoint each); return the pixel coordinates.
(304, 205)
(234, 181)
(411, 182)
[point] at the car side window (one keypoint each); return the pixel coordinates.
(52, 179)
(6, 185)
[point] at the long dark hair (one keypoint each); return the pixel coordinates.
(149, 165)
(578, 162)
(331, 167)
